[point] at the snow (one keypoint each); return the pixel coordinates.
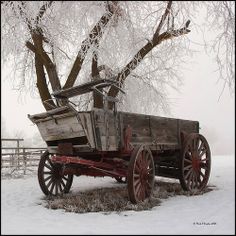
(22, 211)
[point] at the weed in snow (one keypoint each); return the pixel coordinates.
(113, 199)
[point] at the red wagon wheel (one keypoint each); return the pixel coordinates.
(141, 174)
(195, 163)
(50, 177)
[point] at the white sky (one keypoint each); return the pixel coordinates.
(197, 100)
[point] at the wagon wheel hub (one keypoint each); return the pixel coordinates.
(196, 163)
(143, 175)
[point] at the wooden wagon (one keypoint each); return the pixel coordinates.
(129, 147)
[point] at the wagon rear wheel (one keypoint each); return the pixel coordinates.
(141, 174)
(50, 177)
(195, 163)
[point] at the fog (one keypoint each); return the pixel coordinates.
(200, 98)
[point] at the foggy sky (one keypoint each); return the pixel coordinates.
(198, 100)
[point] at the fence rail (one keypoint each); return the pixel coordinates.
(19, 159)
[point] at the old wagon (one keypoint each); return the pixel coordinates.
(129, 147)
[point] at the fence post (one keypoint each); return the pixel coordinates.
(24, 160)
(18, 154)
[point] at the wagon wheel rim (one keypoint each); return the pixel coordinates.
(196, 164)
(141, 174)
(51, 178)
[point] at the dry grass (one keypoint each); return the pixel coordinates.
(113, 199)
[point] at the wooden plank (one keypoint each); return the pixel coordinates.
(164, 130)
(83, 88)
(86, 122)
(11, 139)
(64, 128)
(189, 126)
(106, 130)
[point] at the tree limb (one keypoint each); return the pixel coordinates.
(42, 11)
(42, 84)
(94, 37)
(163, 18)
(156, 40)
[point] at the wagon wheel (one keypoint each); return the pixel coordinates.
(195, 163)
(121, 179)
(51, 181)
(141, 174)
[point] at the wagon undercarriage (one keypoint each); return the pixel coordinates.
(132, 148)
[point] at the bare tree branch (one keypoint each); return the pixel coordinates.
(42, 11)
(156, 40)
(163, 18)
(94, 36)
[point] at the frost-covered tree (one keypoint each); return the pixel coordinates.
(57, 44)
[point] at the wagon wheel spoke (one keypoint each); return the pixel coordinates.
(136, 176)
(200, 148)
(63, 184)
(56, 188)
(137, 182)
(49, 167)
(60, 187)
(202, 153)
(47, 178)
(187, 167)
(150, 170)
(195, 163)
(52, 188)
(138, 187)
(203, 166)
(187, 160)
(189, 179)
(188, 174)
(47, 172)
(196, 180)
(65, 178)
(49, 183)
(50, 162)
(201, 174)
(203, 160)
(142, 197)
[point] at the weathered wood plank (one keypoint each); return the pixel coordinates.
(67, 127)
(86, 122)
(164, 130)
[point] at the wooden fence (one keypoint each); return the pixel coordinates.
(19, 159)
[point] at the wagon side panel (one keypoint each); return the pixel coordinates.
(189, 126)
(140, 128)
(164, 130)
(71, 129)
(105, 130)
(62, 128)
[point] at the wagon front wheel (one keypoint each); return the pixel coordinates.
(141, 174)
(50, 177)
(195, 163)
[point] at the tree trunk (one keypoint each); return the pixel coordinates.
(42, 84)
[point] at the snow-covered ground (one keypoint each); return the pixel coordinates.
(211, 213)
